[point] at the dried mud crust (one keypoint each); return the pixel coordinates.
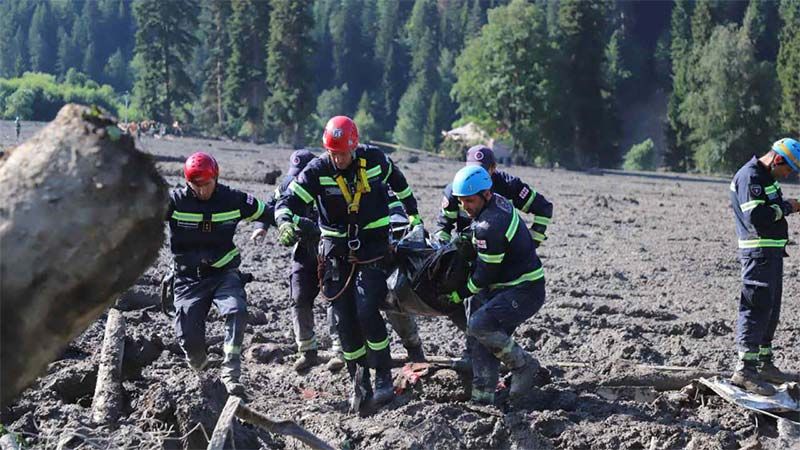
(638, 268)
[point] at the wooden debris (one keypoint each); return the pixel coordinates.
(236, 407)
(107, 402)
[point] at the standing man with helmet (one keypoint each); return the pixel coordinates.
(303, 279)
(202, 220)
(521, 195)
(349, 187)
(17, 127)
(506, 285)
(760, 212)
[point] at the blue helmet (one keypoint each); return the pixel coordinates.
(790, 150)
(470, 180)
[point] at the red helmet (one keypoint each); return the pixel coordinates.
(200, 167)
(340, 135)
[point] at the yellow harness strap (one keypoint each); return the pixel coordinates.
(362, 186)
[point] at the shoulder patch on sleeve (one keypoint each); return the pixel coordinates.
(480, 243)
(524, 192)
(756, 190)
(250, 199)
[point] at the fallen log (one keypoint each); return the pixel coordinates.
(107, 401)
(81, 217)
(236, 407)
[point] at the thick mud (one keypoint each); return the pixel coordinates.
(640, 269)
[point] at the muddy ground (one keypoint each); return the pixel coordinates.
(639, 268)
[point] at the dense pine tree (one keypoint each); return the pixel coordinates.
(422, 37)
(789, 67)
(42, 39)
(216, 14)
(246, 71)
(582, 27)
(678, 154)
(164, 42)
(289, 69)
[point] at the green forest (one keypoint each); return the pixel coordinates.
(683, 85)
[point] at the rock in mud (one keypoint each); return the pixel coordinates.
(81, 217)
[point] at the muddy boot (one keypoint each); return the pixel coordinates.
(769, 372)
(384, 386)
(232, 384)
(523, 368)
(198, 364)
(336, 362)
(307, 360)
(746, 377)
(415, 354)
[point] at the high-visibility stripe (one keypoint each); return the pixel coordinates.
(405, 193)
(748, 356)
(301, 192)
(374, 172)
(382, 222)
(306, 345)
(491, 259)
(762, 243)
(397, 204)
(450, 214)
(187, 217)
(527, 205)
(530, 276)
(327, 181)
(228, 215)
(230, 349)
(538, 236)
(471, 286)
(327, 232)
(277, 193)
(772, 188)
(415, 219)
(764, 351)
(512, 227)
(225, 259)
(283, 212)
(378, 346)
(350, 356)
(747, 206)
(442, 235)
(388, 172)
(259, 211)
(541, 220)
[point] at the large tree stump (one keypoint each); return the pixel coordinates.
(81, 217)
(107, 401)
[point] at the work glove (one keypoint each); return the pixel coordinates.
(455, 298)
(288, 234)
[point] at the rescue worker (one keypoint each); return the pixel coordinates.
(303, 280)
(760, 212)
(203, 216)
(506, 284)
(17, 127)
(523, 197)
(348, 184)
(304, 284)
